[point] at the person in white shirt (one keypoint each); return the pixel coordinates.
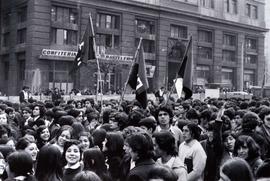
(192, 153)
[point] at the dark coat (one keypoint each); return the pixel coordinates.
(141, 170)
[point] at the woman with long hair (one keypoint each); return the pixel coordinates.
(94, 160)
(62, 135)
(49, 167)
(113, 148)
(86, 140)
(42, 136)
(246, 148)
(236, 169)
(28, 146)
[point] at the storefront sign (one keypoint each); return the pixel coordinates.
(58, 53)
(116, 58)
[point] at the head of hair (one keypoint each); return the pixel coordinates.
(22, 143)
(166, 142)
(264, 112)
(163, 173)
(166, 108)
(74, 112)
(42, 108)
(122, 119)
(99, 136)
(250, 121)
(49, 163)
(193, 114)
(94, 160)
(194, 130)
(148, 122)
(247, 141)
(68, 144)
(20, 163)
(237, 169)
(87, 176)
(142, 144)
(263, 170)
(77, 127)
(114, 144)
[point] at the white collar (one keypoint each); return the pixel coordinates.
(75, 166)
(21, 178)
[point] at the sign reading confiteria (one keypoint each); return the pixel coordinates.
(58, 53)
(115, 57)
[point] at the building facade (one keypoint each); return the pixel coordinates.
(39, 41)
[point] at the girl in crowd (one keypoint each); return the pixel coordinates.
(99, 136)
(246, 148)
(94, 160)
(192, 153)
(86, 141)
(165, 149)
(236, 169)
(113, 149)
(49, 167)
(228, 146)
(43, 136)
(71, 158)
(63, 135)
(19, 167)
(29, 147)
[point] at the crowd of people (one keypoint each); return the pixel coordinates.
(172, 140)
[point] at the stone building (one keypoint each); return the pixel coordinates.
(39, 40)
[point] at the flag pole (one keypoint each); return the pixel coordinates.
(125, 86)
(98, 67)
(174, 81)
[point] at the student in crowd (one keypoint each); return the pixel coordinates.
(246, 148)
(49, 164)
(71, 158)
(86, 140)
(142, 152)
(164, 117)
(63, 135)
(94, 160)
(236, 169)
(42, 136)
(114, 152)
(192, 153)
(162, 173)
(29, 147)
(166, 151)
(20, 167)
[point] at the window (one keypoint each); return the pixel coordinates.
(203, 71)
(205, 36)
(148, 45)
(228, 56)
(248, 10)
(6, 70)
(21, 36)
(65, 15)
(21, 71)
(251, 43)
(230, 6)
(63, 37)
(6, 18)
(108, 40)
(179, 31)
(108, 21)
(207, 3)
(22, 14)
(229, 39)
(145, 26)
(227, 75)
(252, 11)
(6, 40)
(251, 59)
(249, 78)
(205, 52)
(234, 6)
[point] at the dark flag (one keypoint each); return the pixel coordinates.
(138, 80)
(183, 83)
(85, 50)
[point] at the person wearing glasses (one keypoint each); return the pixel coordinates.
(165, 120)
